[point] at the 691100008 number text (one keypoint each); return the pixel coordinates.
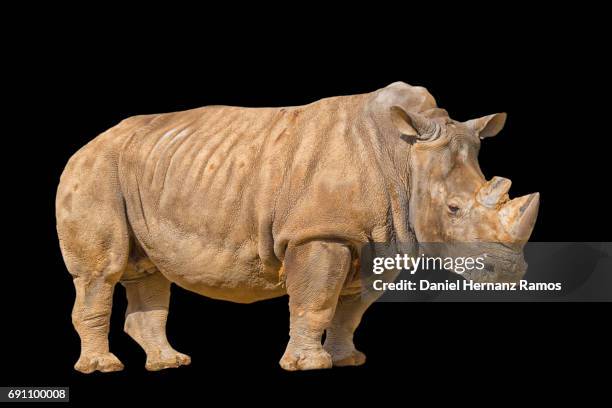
(59, 394)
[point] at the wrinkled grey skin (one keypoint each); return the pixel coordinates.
(246, 204)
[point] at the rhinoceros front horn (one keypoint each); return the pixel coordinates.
(518, 216)
(494, 191)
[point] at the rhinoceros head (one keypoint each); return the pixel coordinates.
(451, 202)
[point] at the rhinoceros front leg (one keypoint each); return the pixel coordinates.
(145, 320)
(339, 336)
(315, 274)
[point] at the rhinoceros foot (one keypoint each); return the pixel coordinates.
(166, 359)
(104, 362)
(356, 358)
(309, 359)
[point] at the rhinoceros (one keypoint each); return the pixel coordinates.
(247, 204)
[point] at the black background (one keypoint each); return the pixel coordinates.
(544, 68)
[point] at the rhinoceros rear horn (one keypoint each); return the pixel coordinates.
(414, 125)
(518, 216)
(493, 192)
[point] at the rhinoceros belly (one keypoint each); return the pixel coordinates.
(228, 271)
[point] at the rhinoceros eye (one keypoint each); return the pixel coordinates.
(453, 209)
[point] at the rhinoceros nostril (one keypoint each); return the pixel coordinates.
(489, 268)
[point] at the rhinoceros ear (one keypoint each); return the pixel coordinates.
(488, 126)
(413, 125)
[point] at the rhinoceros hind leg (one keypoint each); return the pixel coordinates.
(145, 320)
(91, 319)
(315, 274)
(339, 336)
(94, 239)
